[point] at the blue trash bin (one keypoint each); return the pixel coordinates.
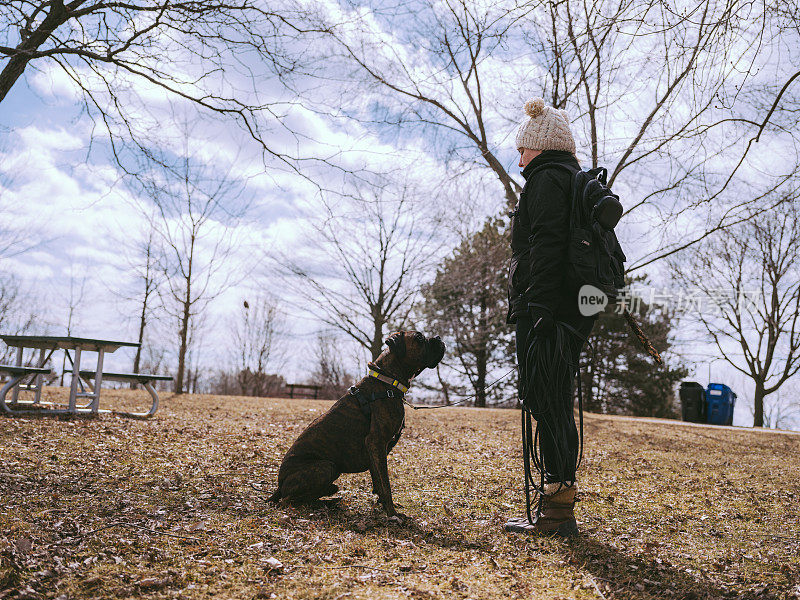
(720, 402)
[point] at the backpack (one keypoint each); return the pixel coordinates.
(595, 256)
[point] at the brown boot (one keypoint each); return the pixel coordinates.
(555, 514)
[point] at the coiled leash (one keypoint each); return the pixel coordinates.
(546, 380)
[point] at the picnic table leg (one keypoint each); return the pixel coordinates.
(144, 415)
(15, 391)
(12, 383)
(98, 379)
(73, 390)
(39, 378)
(151, 390)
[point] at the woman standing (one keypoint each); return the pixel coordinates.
(550, 330)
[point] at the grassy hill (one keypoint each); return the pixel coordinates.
(175, 507)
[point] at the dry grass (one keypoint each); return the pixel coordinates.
(175, 507)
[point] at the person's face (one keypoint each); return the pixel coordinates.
(526, 155)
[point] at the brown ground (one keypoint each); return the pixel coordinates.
(175, 507)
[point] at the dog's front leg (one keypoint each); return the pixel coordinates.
(379, 469)
(376, 485)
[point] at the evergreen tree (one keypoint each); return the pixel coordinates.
(467, 305)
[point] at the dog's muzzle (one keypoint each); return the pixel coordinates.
(434, 352)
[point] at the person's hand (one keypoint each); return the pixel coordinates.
(542, 319)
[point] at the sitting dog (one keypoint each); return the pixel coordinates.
(361, 428)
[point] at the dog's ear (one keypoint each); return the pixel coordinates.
(397, 344)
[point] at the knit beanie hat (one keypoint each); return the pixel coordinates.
(546, 129)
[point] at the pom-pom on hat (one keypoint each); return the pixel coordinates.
(545, 128)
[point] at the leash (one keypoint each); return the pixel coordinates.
(639, 334)
(547, 376)
(376, 373)
(464, 398)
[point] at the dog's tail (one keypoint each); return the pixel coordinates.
(275, 496)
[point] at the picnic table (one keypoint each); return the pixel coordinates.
(47, 345)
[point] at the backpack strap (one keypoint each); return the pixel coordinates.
(599, 173)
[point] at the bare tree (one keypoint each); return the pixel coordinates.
(750, 279)
(782, 412)
(77, 288)
(189, 50)
(361, 272)
(254, 337)
(19, 313)
(330, 372)
(658, 91)
(155, 358)
(18, 231)
(197, 209)
(147, 278)
(142, 255)
(683, 53)
(442, 96)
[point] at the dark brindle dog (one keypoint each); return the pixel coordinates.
(359, 431)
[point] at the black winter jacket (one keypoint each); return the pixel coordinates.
(540, 238)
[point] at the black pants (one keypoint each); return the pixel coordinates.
(557, 468)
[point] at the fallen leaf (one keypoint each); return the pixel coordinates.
(272, 564)
(153, 583)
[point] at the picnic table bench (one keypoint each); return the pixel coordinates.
(307, 389)
(46, 346)
(146, 379)
(16, 374)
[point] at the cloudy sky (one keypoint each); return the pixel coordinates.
(61, 187)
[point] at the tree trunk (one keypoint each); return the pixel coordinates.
(758, 405)
(137, 359)
(69, 333)
(187, 306)
(184, 335)
(445, 387)
(482, 355)
(243, 381)
(377, 338)
(17, 63)
(593, 128)
(480, 379)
